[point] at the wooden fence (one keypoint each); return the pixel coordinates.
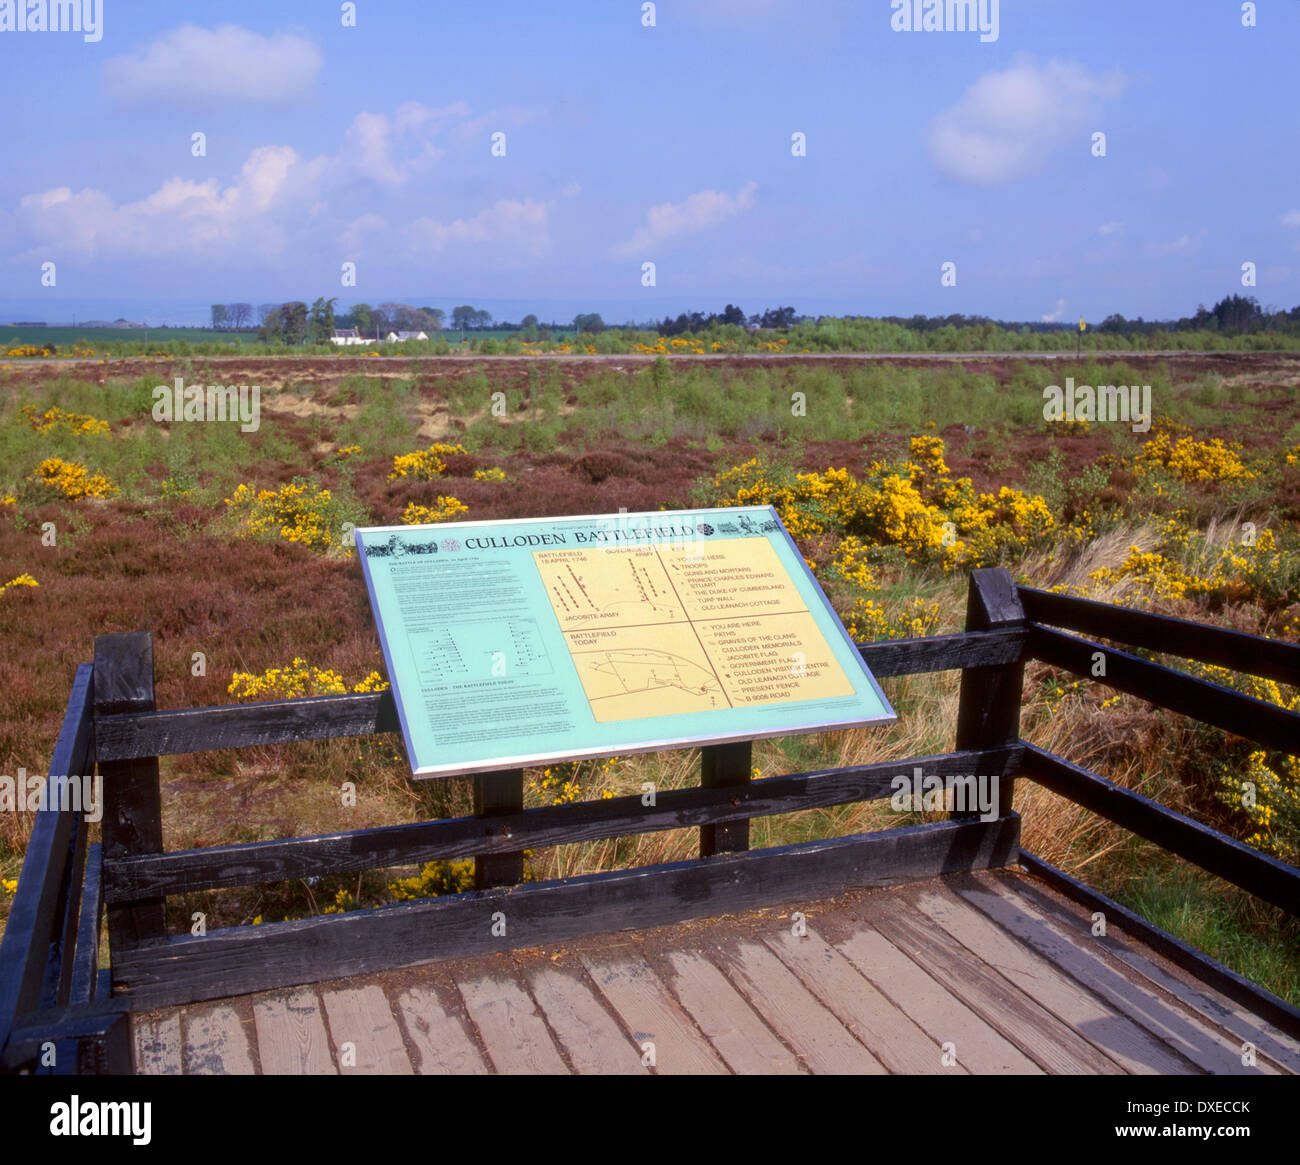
(60, 1012)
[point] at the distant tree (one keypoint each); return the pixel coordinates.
(463, 317)
(398, 315)
(295, 321)
(529, 321)
(219, 316)
(272, 328)
(482, 319)
(320, 323)
(1237, 313)
(360, 315)
(239, 314)
(589, 322)
(731, 314)
(264, 310)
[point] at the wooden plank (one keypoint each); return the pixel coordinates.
(258, 958)
(894, 1039)
(511, 1027)
(173, 733)
(85, 972)
(132, 821)
(218, 867)
(980, 1048)
(499, 795)
(656, 1020)
(906, 657)
(362, 1026)
(33, 913)
(791, 1010)
(591, 1037)
(216, 1043)
(734, 1029)
(442, 1047)
(158, 1044)
(1087, 962)
(1035, 1031)
(1189, 983)
(291, 1036)
(1273, 659)
(726, 766)
(1124, 1041)
(1231, 860)
(1264, 723)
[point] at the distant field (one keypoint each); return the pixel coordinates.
(67, 337)
(63, 338)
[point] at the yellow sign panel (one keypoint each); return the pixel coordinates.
(659, 630)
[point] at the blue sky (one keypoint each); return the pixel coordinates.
(669, 144)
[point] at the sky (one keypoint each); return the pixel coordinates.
(634, 134)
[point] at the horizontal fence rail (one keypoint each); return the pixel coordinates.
(146, 734)
(1270, 658)
(1252, 870)
(1256, 720)
(241, 959)
(269, 861)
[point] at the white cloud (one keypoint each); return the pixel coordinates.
(1185, 244)
(358, 197)
(197, 66)
(1111, 228)
(1291, 218)
(1009, 122)
(521, 224)
(703, 209)
(1056, 315)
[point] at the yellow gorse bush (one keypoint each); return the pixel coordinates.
(1192, 460)
(1189, 565)
(72, 480)
(299, 512)
(23, 580)
(52, 418)
(423, 464)
(492, 474)
(1264, 792)
(296, 681)
(444, 509)
(915, 506)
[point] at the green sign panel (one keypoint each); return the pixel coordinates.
(539, 640)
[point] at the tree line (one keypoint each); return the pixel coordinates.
(295, 322)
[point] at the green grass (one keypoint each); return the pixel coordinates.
(1246, 935)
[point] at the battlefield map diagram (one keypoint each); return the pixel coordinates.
(666, 629)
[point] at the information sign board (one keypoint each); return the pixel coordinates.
(533, 641)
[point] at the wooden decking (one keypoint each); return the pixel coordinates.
(973, 973)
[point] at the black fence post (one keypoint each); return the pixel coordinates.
(725, 766)
(132, 821)
(988, 714)
(496, 794)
